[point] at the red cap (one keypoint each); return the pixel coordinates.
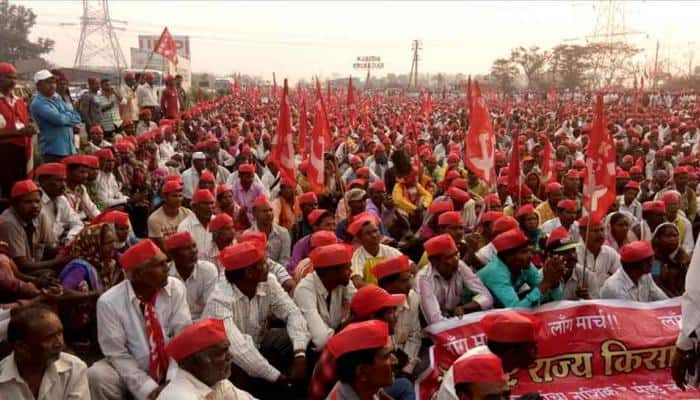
(359, 221)
(567, 204)
(371, 298)
(21, 188)
(510, 327)
(557, 235)
(119, 218)
(572, 173)
(219, 221)
(525, 210)
(261, 200)
(378, 185)
(635, 169)
(104, 154)
(372, 334)
(680, 170)
(198, 336)
(479, 368)
(441, 206)
(492, 198)
(504, 224)
(632, 185)
(440, 244)
(509, 240)
(322, 238)
(669, 196)
(92, 162)
(452, 158)
(315, 215)
(654, 206)
(54, 169)
(178, 240)
(551, 187)
(450, 218)
(139, 254)
(355, 159)
(458, 195)
(460, 183)
(75, 159)
(96, 129)
(331, 255)
(127, 122)
(636, 251)
(123, 146)
(362, 172)
(207, 176)
(7, 69)
(391, 266)
(308, 198)
(451, 174)
(587, 222)
(170, 186)
(241, 255)
(203, 196)
(223, 188)
(490, 216)
(258, 238)
(249, 168)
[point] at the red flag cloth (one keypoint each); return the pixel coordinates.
(315, 173)
(514, 167)
(481, 141)
(165, 46)
(303, 130)
(282, 146)
(599, 184)
(549, 174)
(470, 103)
(352, 106)
(324, 108)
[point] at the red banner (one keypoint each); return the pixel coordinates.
(598, 349)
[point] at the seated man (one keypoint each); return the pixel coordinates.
(510, 335)
(274, 268)
(201, 352)
(365, 229)
(633, 281)
(77, 169)
(199, 276)
(320, 220)
(364, 361)
(222, 235)
(512, 268)
(109, 192)
(598, 257)
(447, 286)
(573, 284)
(164, 221)
(38, 368)
(135, 320)
(245, 300)
(566, 211)
(65, 223)
(279, 243)
(27, 231)
(203, 209)
(323, 294)
(502, 224)
(480, 377)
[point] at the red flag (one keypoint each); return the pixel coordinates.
(352, 106)
(548, 170)
(165, 46)
(480, 141)
(514, 180)
(319, 133)
(303, 129)
(470, 102)
(599, 184)
(282, 146)
(324, 108)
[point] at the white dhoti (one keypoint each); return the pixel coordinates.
(105, 382)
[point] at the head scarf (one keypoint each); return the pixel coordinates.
(609, 239)
(87, 246)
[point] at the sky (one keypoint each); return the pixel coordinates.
(301, 39)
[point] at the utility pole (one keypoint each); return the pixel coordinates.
(413, 75)
(656, 66)
(98, 40)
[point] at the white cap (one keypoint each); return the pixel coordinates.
(42, 75)
(198, 155)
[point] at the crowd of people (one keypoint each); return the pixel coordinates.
(168, 252)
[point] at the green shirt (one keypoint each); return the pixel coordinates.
(497, 278)
(110, 118)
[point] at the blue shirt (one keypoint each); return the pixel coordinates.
(56, 123)
(497, 278)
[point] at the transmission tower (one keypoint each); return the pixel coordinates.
(99, 45)
(413, 75)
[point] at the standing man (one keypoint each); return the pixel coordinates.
(90, 108)
(109, 101)
(135, 321)
(15, 131)
(129, 103)
(55, 119)
(169, 100)
(38, 368)
(147, 96)
(181, 93)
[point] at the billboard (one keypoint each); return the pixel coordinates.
(148, 42)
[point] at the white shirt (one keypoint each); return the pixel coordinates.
(131, 108)
(108, 190)
(311, 296)
(80, 201)
(407, 332)
(185, 386)
(602, 266)
(570, 286)
(65, 379)
(121, 330)
(279, 243)
(147, 96)
(620, 286)
(486, 253)
(190, 180)
(200, 284)
(690, 304)
(246, 320)
(65, 223)
(199, 232)
(555, 223)
(363, 262)
(166, 150)
(635, 208)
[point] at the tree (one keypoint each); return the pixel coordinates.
(569, 64)
(503, 73)
(15, 24)
(532, 61)
(610, 62)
